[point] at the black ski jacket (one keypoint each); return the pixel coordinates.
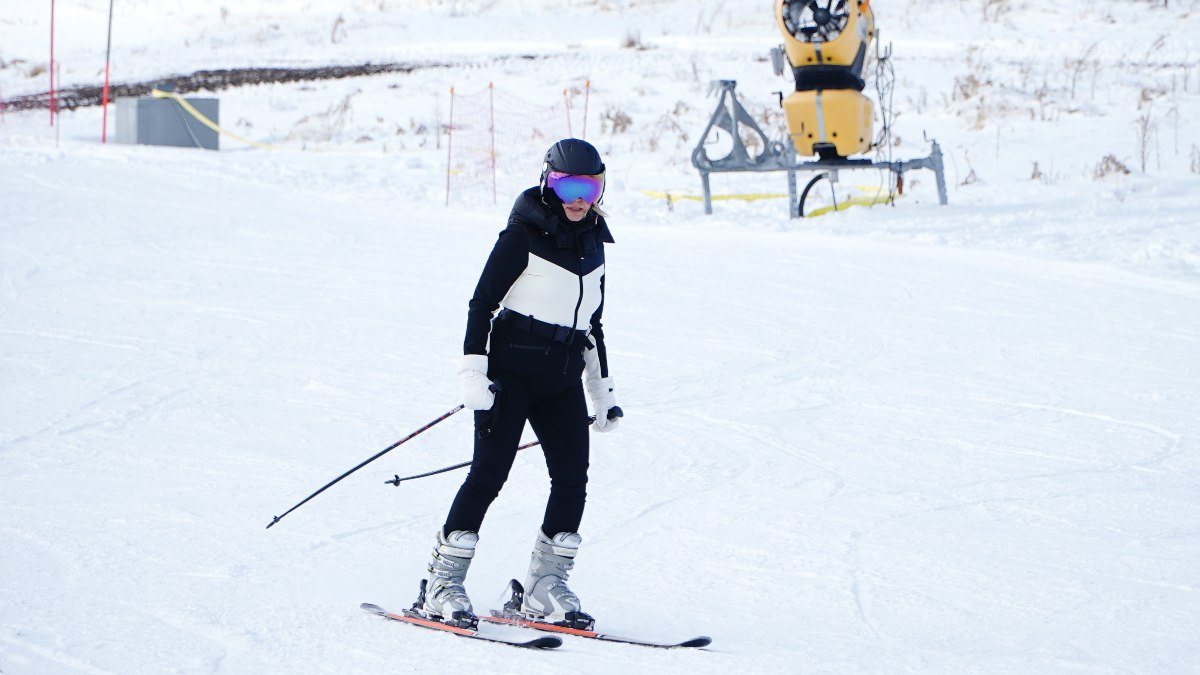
(546, 267)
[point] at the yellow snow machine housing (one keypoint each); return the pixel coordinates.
(828, 117)
(825, 42)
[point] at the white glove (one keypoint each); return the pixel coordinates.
(473, 382)
(601, 391)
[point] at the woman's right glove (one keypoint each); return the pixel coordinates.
(473, 382)
(603, 400)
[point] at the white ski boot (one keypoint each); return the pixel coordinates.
(443, 597)
(545, 596)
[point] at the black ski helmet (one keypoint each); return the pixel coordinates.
(572, 156)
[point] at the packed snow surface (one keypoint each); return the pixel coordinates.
(908, 438)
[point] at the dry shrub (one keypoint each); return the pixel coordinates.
(615, 121)
(1108, 166)
(633, 40)
(994, 10)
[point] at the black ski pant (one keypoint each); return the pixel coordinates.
(534, 388)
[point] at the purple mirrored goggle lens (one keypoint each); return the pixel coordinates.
(570, 187)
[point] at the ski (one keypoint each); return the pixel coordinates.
(500, 617)
(408, 616)
(511, 615)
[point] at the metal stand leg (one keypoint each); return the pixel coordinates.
(936, 157)
(793, 204)
(707, 193)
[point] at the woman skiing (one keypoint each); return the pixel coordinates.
(545, 275)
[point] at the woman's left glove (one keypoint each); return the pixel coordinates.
(603, 400)
(473, 382)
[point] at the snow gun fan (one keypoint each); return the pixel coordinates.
(825, 43)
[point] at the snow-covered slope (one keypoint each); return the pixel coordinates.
(910, 438)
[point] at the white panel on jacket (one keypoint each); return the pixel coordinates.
(548, 293)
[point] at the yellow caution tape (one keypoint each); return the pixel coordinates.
(191, 110)
(852, 201)
(879, 197)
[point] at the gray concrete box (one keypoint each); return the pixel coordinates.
(162, 121)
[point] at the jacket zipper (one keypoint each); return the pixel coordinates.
(578, 301)
(530, 348)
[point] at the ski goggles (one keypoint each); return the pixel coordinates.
(570, 187)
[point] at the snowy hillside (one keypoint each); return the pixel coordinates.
(909, 438)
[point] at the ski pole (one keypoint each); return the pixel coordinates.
(398, 480)
(613, 413)
(372, 459)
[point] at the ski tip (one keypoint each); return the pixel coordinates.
(700, 641)
(372, 608)
(547, 642)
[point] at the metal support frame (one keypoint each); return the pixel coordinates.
(731, 117)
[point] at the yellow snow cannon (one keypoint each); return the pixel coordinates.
(825, 43)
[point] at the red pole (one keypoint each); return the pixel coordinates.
(58, 125)
(104, 108)
(52, 106)
(587, 94)
(107, 59)
(567, 103)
